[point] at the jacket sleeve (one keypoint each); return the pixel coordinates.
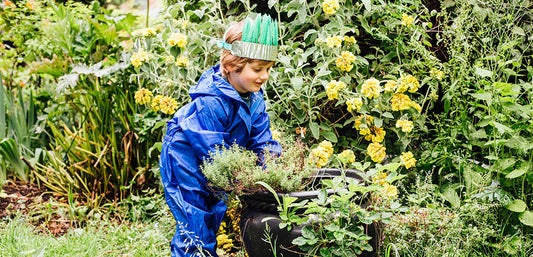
(205, 125)
(261, 136)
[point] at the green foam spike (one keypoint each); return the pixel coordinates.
(260, 29)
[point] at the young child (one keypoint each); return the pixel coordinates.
(227, 108)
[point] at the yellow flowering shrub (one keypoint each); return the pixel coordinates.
(408, 82)
(330, 7)
(156, 103)
(400, 102)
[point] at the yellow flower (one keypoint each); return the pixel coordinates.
(390, 86)
(375, 134)
(437, 74)
(400, 102)
(276, 135)
(388, 191)
(415, 105)
(319, 156)
(140, 57)
(348, 155)
(319, 41)
(344, 62)
(408, 160)
(333, 42)
(156, 103)
(330, 6)
(376, 151)
(168, 105)
(327, 146)
(182, 61)
(408, 82)
(333, 88)
(354, 104)
(380, 178)
(349, 39)
(169, 60)
(371, 88)
(142, 96)
(359, 120)
(177, 39)
(224, 242)
(182, 23)
(406, 125)
(146, 32)
(407, 20)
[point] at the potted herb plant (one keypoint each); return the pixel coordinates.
(331, 212)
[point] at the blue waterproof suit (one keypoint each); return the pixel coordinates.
(216, 116)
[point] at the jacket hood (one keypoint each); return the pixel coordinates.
(212, 83)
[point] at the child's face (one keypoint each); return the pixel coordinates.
(252, 76)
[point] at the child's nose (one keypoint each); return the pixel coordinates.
(264, 75)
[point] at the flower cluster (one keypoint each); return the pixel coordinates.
(408, 160)
(401, 102)
(146, 32)
(333, 88)
(371, 88)
(348, 155)
(388, 192)
(223, 241)
(276, 135)
(143, 96)
(406, 125)
(182, 61)
(407, 20)
(330, 6)
(333, 42)
(141, 56)
(177, 39)
(165, 104)
(321, 154)
(344, 62)
(436, 74)
(354, 104)
(376, 151)
(407, 83)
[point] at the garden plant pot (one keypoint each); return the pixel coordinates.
(263, 204)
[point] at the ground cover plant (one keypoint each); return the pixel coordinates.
(442, 87)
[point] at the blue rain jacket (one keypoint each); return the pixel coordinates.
(217, 116)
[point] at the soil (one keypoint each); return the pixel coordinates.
(32, 202)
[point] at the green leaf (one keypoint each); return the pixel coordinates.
(315, 131)
(299, 241)
(368, 5)
(485, 96)
(482, 72)
(527, 218)
(517, 206)
(501, 128)
(297, 83)
(451, 196)
(388, 115)
(330, 135)
(308, 232)
(520, 171)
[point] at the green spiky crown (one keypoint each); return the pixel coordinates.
(259, 39)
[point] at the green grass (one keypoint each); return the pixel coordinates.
(97, 238)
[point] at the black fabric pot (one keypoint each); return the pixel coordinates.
(263, 205)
